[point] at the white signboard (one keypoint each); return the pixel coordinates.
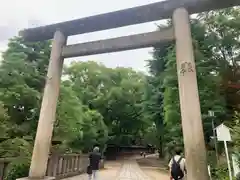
(223, 133)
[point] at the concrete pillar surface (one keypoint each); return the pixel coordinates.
(192, 127)
(48, 109)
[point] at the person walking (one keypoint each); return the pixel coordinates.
(94, 161)
(177, 166)
(144, 154)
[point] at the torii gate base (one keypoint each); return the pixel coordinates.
(188, 90)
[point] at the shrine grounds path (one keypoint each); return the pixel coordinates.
(128, 169)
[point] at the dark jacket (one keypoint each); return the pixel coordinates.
(94, 160)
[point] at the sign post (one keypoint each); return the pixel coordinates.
(211, 114)
(223, 134)
(209, 172)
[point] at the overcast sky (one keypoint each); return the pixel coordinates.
(18, 14)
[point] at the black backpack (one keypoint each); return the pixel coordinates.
(176, 171)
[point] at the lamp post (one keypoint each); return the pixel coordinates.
(211, 114)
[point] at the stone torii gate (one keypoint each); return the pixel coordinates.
(179, 10)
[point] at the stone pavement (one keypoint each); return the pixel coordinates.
(110, 171)
(131, 171)
(124, 170)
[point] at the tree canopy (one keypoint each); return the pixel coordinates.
(216, 41)
(97, 105)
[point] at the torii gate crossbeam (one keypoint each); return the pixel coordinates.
(146, 13)
(188, 90)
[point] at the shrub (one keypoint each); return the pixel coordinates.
(221, 173)
(16, 147)
(20, 150)
(236, 135)
(17, 169)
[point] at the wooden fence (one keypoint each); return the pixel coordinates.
(59, 166)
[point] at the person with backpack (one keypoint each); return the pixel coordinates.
(177, 166)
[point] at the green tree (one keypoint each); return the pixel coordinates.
(4, 125)
(22, 78)
(223, 31)
(76, 125)
(154, 92)
(115, 93)
(216, 49)
(16, 147)
(236, 135)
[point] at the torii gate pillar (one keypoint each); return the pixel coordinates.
(48, 109)
(194, 143)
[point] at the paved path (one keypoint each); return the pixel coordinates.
(155, 174)
(131, 171)
(110, 172)
(125, 170)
